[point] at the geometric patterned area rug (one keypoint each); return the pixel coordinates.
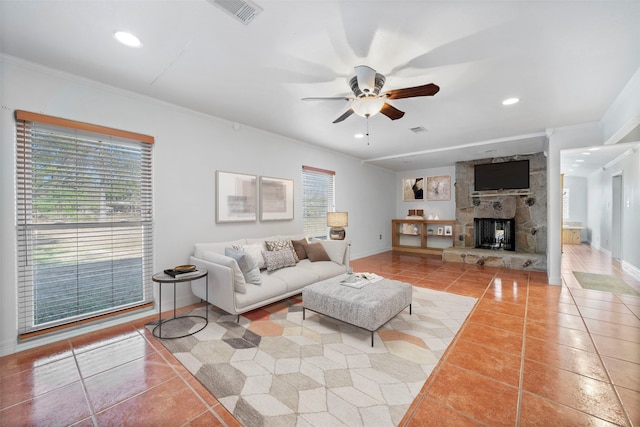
(275, 369)
(604, 282)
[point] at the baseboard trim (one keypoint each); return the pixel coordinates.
(634, 270)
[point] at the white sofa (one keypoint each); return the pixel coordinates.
(229, 290)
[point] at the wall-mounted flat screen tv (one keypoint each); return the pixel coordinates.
(502, 176)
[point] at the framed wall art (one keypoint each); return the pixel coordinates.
(448, 230)
(440, 231)
(276, 199)
(439, 188)
(412, 189)
(236, 197)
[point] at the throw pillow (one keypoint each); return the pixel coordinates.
(277, 245)
(278, 259)
(255, 250)
(247, 265)
(239, 285)
(300, 247)
(316, 252)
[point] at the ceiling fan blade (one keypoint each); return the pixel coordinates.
(330, 98)
(366, 78)
(410, 92)
(344, 116)
(392, 112)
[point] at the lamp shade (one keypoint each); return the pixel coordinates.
(367, 106)
(337, 219)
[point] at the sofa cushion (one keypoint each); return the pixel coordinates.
(271, 287)
(323, 269)
(277, 245)
(296, 278)
(255, 250)
(239, 285)
(316, 252)
(300, 247)
(247, 265)
(278, 259)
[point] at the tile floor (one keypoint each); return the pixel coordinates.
(529, 354)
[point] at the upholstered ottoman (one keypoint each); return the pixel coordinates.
(368, 307)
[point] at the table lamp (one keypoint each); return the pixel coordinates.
(337, 221)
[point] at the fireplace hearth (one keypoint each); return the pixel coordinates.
(495, 233)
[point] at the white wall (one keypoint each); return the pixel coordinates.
(624, 113)
(600, 208)
(189, 148)
(578, 200)
(444, 209)
(584, 135)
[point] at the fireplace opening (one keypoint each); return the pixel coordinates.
(495, 233)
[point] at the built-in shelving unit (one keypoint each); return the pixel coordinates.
(427, 236)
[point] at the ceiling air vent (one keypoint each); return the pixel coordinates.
(418, 129)
(242, 10)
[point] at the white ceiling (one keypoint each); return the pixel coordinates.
(565, 60)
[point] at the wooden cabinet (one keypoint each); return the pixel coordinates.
(571, 236)
(421, 236)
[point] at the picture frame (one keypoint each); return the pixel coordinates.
(276, 199)
(440, 231)
(236, 197)
(413, 189)
(438, 188)
(448, 230)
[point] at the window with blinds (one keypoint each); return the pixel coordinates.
(318, 189)
(84, 222)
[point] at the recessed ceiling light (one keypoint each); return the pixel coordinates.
(586, 153)
(358, 135)
(570, 170)
(575, 166)
(510, 101)
(127, 39)
(594, 149)
(579, 160)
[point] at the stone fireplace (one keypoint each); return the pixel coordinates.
(518, 219)
(495, 233)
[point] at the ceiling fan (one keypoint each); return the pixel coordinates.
(368, 101)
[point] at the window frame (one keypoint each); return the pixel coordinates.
(34, 131)
(314, 215)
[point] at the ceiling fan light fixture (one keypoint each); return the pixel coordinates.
(367, 106)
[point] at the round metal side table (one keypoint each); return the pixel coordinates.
(161, 278)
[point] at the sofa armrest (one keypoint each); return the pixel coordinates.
(221, 284)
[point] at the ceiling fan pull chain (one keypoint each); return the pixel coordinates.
(367, 130)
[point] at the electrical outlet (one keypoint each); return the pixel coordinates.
(381, 237)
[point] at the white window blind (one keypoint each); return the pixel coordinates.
(84, 221)
(318, 189)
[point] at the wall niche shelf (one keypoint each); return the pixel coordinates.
(421, 236)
